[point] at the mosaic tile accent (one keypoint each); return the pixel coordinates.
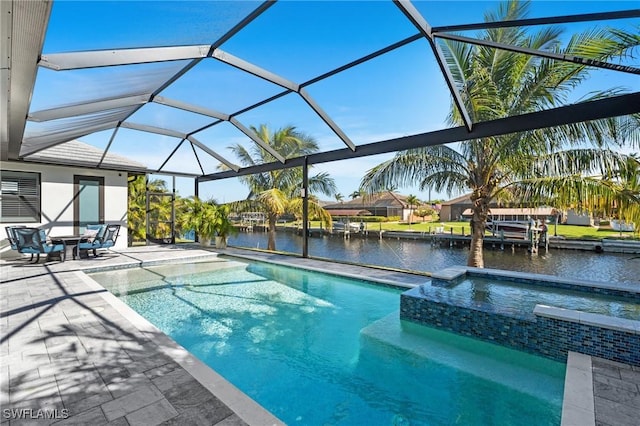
(551, 336)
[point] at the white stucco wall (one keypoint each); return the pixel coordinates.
(56, 196)
(574, 218)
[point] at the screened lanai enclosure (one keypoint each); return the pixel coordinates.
(174, 85)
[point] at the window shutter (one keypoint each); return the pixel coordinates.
(20, 196)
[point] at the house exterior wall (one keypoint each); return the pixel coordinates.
(374, 210)
(408, 215)
(445, 213)
(574, 218)
(56, 197)
(452, 212)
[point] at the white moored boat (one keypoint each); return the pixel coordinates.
(508, 225)
(512, 228)
(621, 225)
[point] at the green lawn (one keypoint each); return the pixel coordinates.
(566, 231)
(588, 232)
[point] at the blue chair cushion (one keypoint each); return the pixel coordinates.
(29, 240)
(53, 248)
(88, 245)
(105, 239)
(100, 228)
(34, 241)
(29, 250)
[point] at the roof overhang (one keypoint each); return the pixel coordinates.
(348, 212)
(22, 29)
(514, 211)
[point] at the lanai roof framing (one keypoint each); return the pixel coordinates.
(26, 29)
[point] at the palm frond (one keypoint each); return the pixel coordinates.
(457, 57)
(448, 182)
(273, 201)
(315, 211)
(323, 184)
(410, 167)
(579, 192)
(585, 161)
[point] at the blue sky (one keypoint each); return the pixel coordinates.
(398, 94)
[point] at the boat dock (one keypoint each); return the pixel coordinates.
(442, 239)
(504, 241)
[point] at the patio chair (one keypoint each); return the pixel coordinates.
(13, 240)
(34, 241)
(104, 239)
(95, 231)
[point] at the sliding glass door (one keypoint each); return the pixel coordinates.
(88, 203)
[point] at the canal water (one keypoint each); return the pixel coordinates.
(420, 255)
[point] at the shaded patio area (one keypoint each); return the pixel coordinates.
(72, 353)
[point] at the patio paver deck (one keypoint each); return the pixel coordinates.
(69, 354)
(616, 393)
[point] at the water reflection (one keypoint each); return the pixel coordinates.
(421, 256)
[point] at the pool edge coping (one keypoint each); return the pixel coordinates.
(588, 318)
(391, 283)
(240, 403)
(578, 406)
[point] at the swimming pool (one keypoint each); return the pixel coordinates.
(320, 349)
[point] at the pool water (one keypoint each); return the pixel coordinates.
(519, 299)
(318, 349)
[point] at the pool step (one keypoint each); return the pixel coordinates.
(524, 372)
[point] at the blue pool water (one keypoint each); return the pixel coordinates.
(519, 299)
(317, 349)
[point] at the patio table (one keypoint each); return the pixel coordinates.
(71, 242)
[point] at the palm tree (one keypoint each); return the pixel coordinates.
(534, 166)
(359, 193)
(413, 201)
(623, 200)
(277, 192)
(160, 208)
(339, 197)
(626, 184)
(199, 216)
(356, 194)
(137, 208)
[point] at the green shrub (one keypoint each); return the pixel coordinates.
(372, 219)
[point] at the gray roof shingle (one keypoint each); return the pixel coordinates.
(78, 153)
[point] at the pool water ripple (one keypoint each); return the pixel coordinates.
(520, 299)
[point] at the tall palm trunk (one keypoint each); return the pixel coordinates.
(478, 222)
(271, 244)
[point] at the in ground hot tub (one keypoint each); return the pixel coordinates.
(540, 314)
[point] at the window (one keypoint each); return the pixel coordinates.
(20, 196)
